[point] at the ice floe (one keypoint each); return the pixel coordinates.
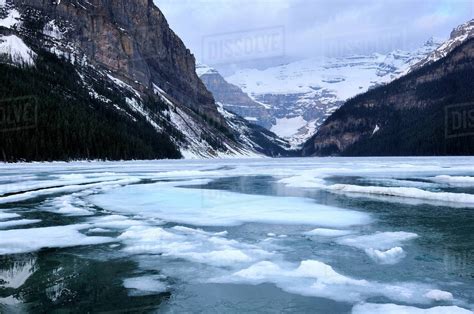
(5, 216)
(19, 222)
(405, 192)
(439, 295)
(190, 244)
(63, 189)
(315, 278)
(389, 257)
(145, 285)
(323, 232)
(382, 247)
(454, 180)
(374, 308)
(223, 208)
(69, 205)
(33, 239)
(379, 240)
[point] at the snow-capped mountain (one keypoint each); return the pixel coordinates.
(424, 113)
(128, 86)
(233, 98)
(459, 35)
(411, 115)
(302, 94)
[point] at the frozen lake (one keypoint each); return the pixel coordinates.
(324, 235)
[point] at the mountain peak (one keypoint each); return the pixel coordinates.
(458, 36)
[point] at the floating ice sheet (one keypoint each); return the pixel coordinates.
(190, 244)
(405, 192)
(223, 208)
(315, 278)
(373, 308)
(145, 285)
(323, 232)
(379, 241)
(33, 239)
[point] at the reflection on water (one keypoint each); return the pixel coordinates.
(15, 270)
(62, 281)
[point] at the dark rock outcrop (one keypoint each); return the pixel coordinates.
(133, 40)
(233, 98)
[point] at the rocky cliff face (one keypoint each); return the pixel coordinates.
(129, 65)
(405, 117)
(132, 39)
(233, 98)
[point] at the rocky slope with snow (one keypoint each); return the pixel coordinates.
(426, 112)
(233, 98)
(302, 94)
(130, 64)
(459, 35)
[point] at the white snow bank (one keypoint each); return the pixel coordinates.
(223, 208)
(288, 127)
(17, 50)
(373, 308)
(34, 239)
(12, 19)
(389, 257)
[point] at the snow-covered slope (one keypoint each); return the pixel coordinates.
(459, 35)
(16, 51)
(302, 94)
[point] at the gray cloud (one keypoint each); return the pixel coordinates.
(315, 27)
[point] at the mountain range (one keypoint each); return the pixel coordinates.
(98, 79)
(110, 80)
(429, 111)
(300, 95)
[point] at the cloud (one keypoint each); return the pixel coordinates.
(315, 27)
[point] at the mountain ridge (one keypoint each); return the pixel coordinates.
(128, 48)
(405, 117)
(300, 95)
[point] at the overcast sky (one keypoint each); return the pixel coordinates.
(308, 28)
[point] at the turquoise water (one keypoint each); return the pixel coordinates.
(232, 236)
